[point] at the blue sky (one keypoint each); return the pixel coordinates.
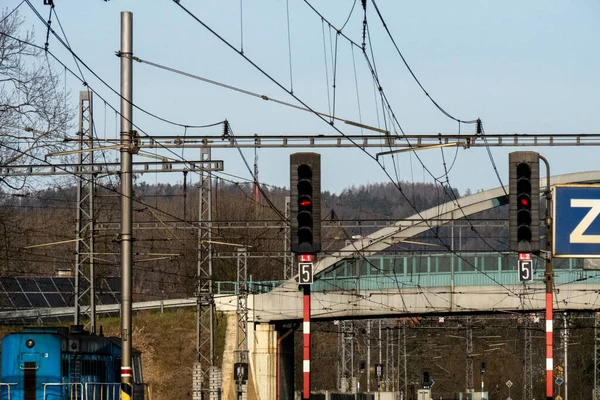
(522, 67)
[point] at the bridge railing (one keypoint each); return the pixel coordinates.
(232, 287)
(427, 270)
(466, 269)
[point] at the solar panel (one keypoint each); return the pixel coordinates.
(46, 285)
(56, 300)
(64, 284)
(28, 293)
(106, 299)
(20, 301)
(10, 285)
(5, 301)
(69, 299)
(37, 300)
(28, 284)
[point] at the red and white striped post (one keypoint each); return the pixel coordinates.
(549, 280)
(306, 345)
(549, 359)
(306, 258)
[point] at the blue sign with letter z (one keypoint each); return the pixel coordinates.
(577, 221)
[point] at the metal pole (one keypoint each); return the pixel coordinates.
(126, 202)
(566, 345)
(596, 391)
(368, 355)
(482, 388)
(548, 278)
(405, 390)
(380, 358)
(340, 361)
(452, 263)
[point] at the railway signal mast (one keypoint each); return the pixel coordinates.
(524, 223)
(305, 235)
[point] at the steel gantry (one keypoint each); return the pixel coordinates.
(85, 291)
(374, 141)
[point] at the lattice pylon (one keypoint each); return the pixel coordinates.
(205, 301)
(242, 306)
(527, 361)
(402, 362)
(469, 350)
(391, 371)
(288, 257)
(347, 354)
(85, 293)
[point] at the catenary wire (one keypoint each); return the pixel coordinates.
(267, 75)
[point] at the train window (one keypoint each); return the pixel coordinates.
(101, 370)
(86, 367)
(117, 369)
(65, 366)
(137, 370)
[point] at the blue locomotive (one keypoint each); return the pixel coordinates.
(64, 364)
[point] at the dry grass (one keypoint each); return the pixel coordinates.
(168, 345)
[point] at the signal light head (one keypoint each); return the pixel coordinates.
(524, 201)
(305, 203)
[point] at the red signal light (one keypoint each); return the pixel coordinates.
(306, 257)
(305, 203)
(525, 202)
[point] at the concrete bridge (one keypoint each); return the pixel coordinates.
(452, 285)
(353, 284)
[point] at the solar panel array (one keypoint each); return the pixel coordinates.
(30, 293)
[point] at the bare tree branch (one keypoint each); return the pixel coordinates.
(31, 99)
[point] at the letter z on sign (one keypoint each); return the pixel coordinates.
(578, 235)
(576, 221)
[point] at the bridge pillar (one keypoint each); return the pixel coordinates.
(263, 354)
